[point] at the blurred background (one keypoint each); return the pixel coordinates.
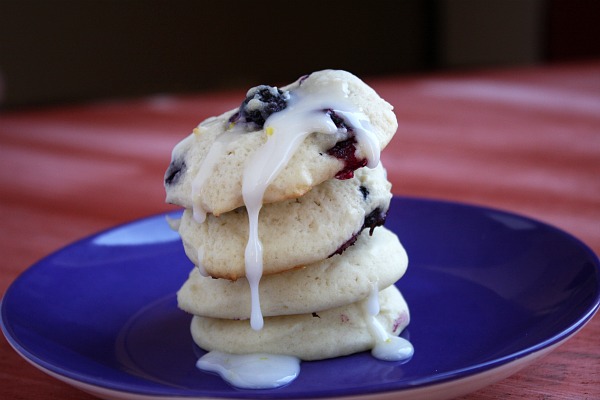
(59, 51)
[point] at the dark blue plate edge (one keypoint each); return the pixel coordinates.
(364, 390)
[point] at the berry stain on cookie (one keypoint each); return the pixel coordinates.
(346, 152)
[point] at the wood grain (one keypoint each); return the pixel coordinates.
(523, 140)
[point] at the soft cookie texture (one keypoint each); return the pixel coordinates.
(285, 198)
(218, 150)
(342, 279)
(293, 232)
(331, 333)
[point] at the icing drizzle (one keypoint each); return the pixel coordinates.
(251, 371)
(387, 347)
(285, 131)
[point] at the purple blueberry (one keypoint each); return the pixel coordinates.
(175, 171)
(261, 102)
(337, 120)
(346, 149)
(364, 191)
(373, 220)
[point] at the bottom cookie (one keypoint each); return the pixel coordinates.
(332, 333)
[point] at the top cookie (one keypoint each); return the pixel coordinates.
(324, 125)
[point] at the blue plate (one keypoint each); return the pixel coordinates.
(489, 292)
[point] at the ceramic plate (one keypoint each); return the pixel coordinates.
(489, 292)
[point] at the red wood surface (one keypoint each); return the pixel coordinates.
(525, 140)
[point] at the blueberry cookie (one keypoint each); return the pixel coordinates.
(280, 143)
(339, 280)
(313, 336)
(295, 232)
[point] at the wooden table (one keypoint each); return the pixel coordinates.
(525, 140)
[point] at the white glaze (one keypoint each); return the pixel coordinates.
(285, 131)
(394, 348)
(372, 302)
(253, 257)
(387, 347)
(251, 371)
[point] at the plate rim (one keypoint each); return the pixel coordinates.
(446, 389)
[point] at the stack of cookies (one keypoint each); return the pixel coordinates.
(285, 198)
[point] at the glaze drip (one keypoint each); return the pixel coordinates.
(387, 347)
(251, 371)
(285, 131)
